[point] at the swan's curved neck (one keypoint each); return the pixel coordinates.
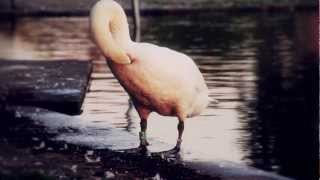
(110, 30)
(120, 29)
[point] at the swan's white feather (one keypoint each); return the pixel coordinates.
(158, 79)
(163, 80)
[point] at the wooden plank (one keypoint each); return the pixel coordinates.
(55, 85)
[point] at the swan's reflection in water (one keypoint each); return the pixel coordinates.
(129, 116)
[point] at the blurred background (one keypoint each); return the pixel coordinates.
(260, 59)
(82, 6)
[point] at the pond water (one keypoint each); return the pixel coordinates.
(263, 69)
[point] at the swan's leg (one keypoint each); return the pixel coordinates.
(143, 113)
(143, 133)
(180, 132)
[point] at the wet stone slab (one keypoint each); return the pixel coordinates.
(56, 85)
(43, 136)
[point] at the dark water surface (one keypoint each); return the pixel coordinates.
(263, 69)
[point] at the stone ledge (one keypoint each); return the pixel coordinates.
(55, 85)
(45, 131)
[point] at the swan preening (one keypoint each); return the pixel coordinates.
(156, 78)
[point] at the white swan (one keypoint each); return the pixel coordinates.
(156, 78)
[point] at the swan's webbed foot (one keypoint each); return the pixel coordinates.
(172, 151)
(172, 154)
(143, 150)
(140, 150)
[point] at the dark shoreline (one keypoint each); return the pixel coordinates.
(168, 11)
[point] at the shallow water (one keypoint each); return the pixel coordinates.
(263, 69)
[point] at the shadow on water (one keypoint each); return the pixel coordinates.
(282, 126)
(263, 68)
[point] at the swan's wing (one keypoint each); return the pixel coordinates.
(172, 67)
